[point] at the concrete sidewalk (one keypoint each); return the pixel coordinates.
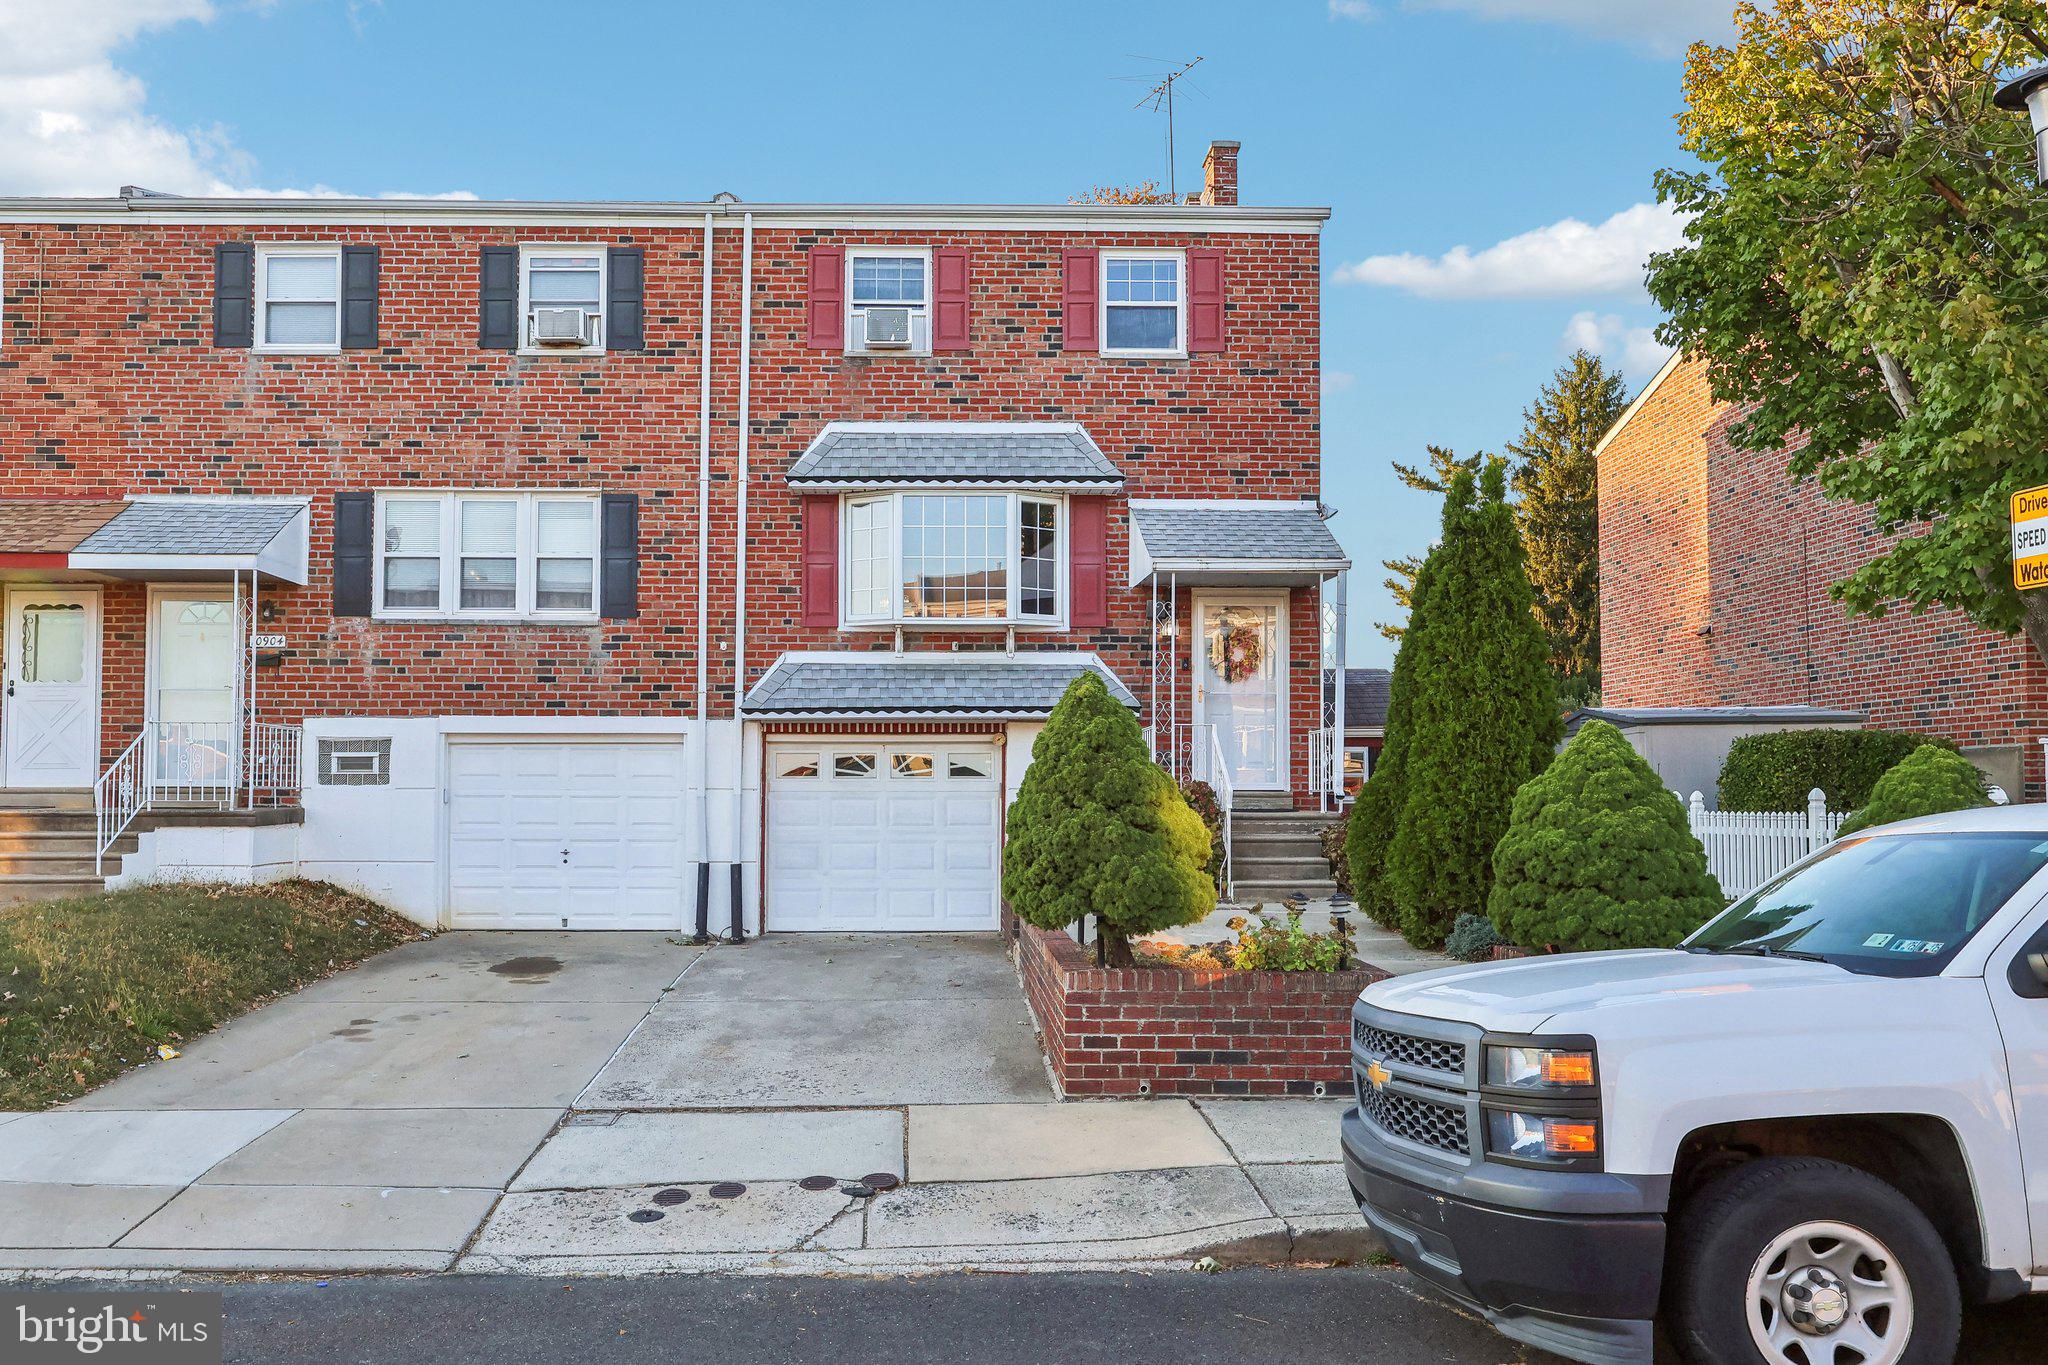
(555, 1104)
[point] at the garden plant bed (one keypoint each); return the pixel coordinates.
(92, 985)
(1163, 1031)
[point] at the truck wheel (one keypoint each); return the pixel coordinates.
(1800, 1261)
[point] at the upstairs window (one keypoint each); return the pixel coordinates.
(486, 555)
(888, 302)
(298, 298)
(973, 558)
(1143, 304)
(561, 299)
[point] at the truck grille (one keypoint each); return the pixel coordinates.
(1441, 1126)
(1431, 1054)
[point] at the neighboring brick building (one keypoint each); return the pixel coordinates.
(1714, 576)
(483, 468)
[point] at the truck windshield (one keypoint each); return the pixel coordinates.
(1894, 905)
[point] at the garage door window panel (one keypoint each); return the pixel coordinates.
(797, 765)
(853, 765)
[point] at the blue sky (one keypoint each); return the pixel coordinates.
(1523, 132)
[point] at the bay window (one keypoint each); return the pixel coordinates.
(983, 558)
(451, 555)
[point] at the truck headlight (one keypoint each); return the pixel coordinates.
(1540, 1068)
(1541, 1137)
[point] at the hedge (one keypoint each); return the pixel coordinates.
(1776, 771)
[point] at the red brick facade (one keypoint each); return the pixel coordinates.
(110, 385)
(1125, 1031)
(1714, 576)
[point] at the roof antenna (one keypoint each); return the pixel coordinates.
(1160, 97)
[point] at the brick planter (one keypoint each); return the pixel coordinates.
(1134, 1031)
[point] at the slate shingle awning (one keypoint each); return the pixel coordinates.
(937, 686)
(1047, 455)
(1221, 542)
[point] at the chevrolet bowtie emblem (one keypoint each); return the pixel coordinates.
(1377, 1074)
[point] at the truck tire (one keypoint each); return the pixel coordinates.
(1801, 1261)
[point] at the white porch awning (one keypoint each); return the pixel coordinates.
(168, 539)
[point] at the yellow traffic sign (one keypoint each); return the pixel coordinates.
(2030, 538)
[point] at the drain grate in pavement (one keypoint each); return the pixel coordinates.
(881, 1180)
(816, 1182)
(727, 1189)
(668, 1199)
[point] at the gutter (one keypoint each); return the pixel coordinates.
(739, 601)
(703, 758)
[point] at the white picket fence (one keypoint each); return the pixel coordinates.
(1747, 848)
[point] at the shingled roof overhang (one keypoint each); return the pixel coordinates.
(163, 539)
(857, 456)
(1232, 542)
(1024, 686)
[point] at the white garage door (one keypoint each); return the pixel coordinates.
(883, 836)
(563, 834)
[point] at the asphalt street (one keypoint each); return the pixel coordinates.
(1178, 1316)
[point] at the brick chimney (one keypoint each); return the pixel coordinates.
(1219, 174)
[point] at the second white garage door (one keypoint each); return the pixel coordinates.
(562, 834)
(883, 836)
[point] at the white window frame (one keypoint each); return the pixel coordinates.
(1179, 348)
(269, 251)
(530, 252)
(525, 557)
(1014, 536)
(853, 310)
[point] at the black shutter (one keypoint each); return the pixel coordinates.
(359, 298)
(355, 518)
(625, 277)
(498, 299)
(234, 294)
(618, 594)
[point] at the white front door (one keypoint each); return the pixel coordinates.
(867, 835)
(1241, 686)
(192, 686)
(565, 834)
(51, 712)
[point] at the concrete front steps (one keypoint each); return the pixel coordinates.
(1278, 854)
(49, 838)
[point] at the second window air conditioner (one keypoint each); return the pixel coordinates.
(562, 326)
(888, 329)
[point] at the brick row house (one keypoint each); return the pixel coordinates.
(1715, 567)
(606, 565)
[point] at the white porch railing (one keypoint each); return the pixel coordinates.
(1210, 768)
(1325, 763)
(223, 764)
(1745, 849)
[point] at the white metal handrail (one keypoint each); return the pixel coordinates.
(1325, 766)
(221, 764)
(1210, 768)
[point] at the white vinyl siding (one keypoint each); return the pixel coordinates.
(487, 555)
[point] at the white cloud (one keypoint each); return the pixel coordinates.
(73, 122)
(1337, 381)
(1662, 27)
(1635, 349)
(1352, 9)
(1564, 260)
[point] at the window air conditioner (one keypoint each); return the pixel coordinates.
(888, 329)
(561, 326)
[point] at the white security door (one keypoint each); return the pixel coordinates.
(869, 836)
(1241, 687)
(192, 687)
(50, 714)
(565, 834)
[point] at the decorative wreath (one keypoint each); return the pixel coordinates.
(1238, 648)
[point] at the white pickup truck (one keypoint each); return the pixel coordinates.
(1806, 1136)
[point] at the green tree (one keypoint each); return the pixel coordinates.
(1099, 829)
(1401, 571)
(1377, 809)
(1598, 854)
(1927, 781)
(1558, 510)
(1866, 266)
(1483, 711)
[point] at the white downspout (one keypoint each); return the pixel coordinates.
(702, 765)
(739, 601)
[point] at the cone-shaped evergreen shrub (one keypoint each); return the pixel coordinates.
(1927, 781)
(1483, 714)
(1377, 809)
(1599, 854)
(1099, 829)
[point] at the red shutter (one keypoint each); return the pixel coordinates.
(949, 299)
(1081, 293)
(821, 560)
(826, 321)
(1205, 299)
(1088, 562)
